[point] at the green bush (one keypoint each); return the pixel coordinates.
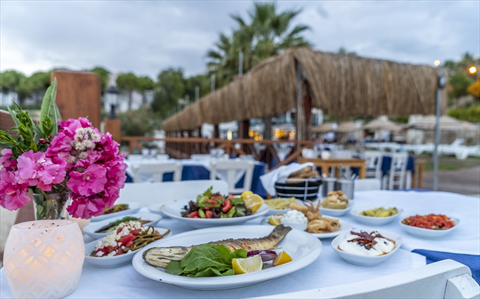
(470, 113)
(139, 122)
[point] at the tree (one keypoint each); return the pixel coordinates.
(10, 80)
(103, 74)
(344, 51)
(127, 82)
(171, 87)
(145, 84)
(459, 83)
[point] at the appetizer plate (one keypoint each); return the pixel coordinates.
(336, 212)
(363, 260)
(373, 220)
(114, 261)
(344, 227)
(302, 247)
(173, 210)
(133, 207)
(277, 211)
(429, 233)
(91, 229)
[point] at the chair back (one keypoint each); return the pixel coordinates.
(234, 170)
(367, 185)
(443, 279)
(398, 168)
(153, 193)
(157, 170)
(373, 161)
(200, 157)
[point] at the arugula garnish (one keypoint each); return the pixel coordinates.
(206, 260)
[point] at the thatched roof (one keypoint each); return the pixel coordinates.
(339, 84)
(323, 128)
(446, 123)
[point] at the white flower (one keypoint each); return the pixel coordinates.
(83, 155)
(88, 144)
(95, 137)
(79, 146)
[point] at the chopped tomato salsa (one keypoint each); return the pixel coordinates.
(430, 221)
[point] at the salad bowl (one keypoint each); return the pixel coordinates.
(113, 261)
(336, 212)
(374, 221)
(428, 233)
(174, 209)
(91, 229)
(302, 247)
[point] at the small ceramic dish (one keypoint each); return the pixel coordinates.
(336, 212)
(133, 207)
(113, 261)
(91, 229)
(363, 260)
(374, 221)
(428, 233)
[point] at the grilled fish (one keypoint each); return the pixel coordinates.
(161, 256)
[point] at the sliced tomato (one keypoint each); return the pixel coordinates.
(227, 205)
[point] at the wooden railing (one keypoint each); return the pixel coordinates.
(183, 148)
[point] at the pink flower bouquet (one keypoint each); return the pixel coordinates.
(71, 157)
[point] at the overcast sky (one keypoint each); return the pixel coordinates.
(147, 36)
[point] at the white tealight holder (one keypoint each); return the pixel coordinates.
(44, 258)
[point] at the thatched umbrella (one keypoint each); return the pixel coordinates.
(382, 124)
(347, 127)
(323, 128)
(428, 123)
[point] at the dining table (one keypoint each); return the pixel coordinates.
(328, 269)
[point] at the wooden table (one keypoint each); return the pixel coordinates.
(326, 164)
(417, 177)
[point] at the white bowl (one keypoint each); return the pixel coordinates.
(336, 212)
(344, 227)
(91, 229)
(133, 207)
(158, 208)
(174, 209)
(428, 233)
(296, 225)
(374, 220)
(113, 261)
(362, 260)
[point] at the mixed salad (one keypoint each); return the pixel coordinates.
(215, 205)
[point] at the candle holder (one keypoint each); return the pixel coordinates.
(44, 258)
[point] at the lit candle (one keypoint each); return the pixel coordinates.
(44, 258)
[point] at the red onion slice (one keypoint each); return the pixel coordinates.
(266, 255)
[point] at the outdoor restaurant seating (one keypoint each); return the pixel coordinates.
(234, 171)
(396, 174)
(156, 170)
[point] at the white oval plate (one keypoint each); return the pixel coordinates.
(302, 247)
(374, 220)
(336, 212)
(362, 260)
(157, 208)
(344, 227)
(92, 227)
(173, 210)
(114, 261)
(428, 233)
(133, 207)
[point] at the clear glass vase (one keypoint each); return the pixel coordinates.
(51, 205)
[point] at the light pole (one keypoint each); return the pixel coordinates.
(112, 123)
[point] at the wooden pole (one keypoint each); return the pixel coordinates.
(307, 111)
(244, 128)
(216, 131)
(300, 115)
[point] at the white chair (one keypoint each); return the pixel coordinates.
(157, 170)
(152, 193)
(444, 279)
(232, 168)
(397, 172)
(373, 161)
(367, 185)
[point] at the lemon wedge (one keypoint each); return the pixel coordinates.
(246, 194)
(281, 259)
(253, 202)
(274, 220)
(247, 265)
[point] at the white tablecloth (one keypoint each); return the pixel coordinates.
(327, 270)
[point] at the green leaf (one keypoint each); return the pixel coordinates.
(49, 109)
(174, 268)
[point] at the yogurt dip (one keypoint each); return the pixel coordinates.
(294, 219)
(367, 244)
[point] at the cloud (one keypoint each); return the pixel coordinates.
(147, 36)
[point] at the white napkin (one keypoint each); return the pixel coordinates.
(268, 180)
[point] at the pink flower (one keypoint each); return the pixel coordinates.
(34, 169)
(88, 182)
(12, 195)
(6, 162)
(70, 126)
(86, 207)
